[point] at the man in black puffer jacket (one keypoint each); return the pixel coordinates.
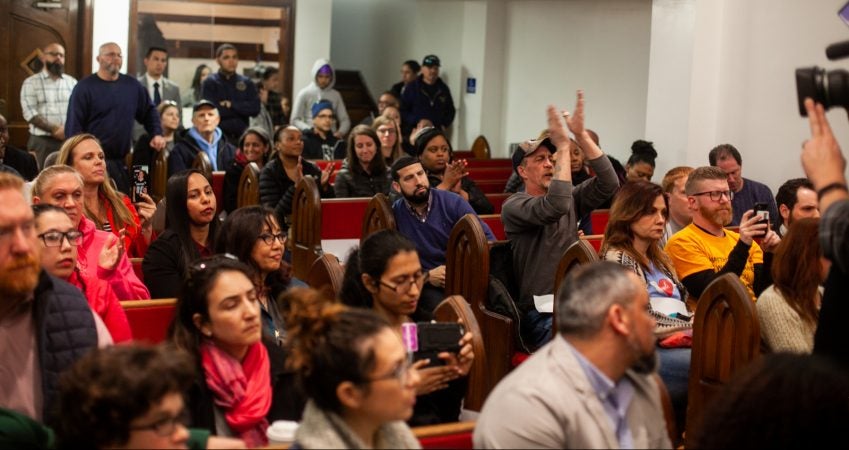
(45, 324)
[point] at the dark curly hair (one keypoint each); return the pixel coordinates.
(106, 390)
(329, 344)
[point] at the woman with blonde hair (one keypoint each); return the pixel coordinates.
(109, 209)
(390, 138)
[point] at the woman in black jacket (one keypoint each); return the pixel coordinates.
(279, 177)
(190, 224)
(242, 384)
(443, 172)
(365, 173)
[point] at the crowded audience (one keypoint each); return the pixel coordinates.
(248, 343)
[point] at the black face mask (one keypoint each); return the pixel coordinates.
(56, 68)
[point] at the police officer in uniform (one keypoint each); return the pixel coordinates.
(235, 95)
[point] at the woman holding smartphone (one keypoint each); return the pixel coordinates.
(109, 209)
(356, 373)
(385, 275)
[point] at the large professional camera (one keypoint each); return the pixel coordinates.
(829, 87)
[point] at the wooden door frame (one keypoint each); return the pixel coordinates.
(286, 45)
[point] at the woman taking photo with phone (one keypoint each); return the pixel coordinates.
(109, 209)
(242, 384)
(355, 372)
(385, 275)
(190, 225)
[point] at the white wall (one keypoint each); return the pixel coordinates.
(670, 73)
(554, 48)
(108, 27)
(313, 21)
(743, 87)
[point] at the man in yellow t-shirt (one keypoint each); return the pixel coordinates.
(705, 249)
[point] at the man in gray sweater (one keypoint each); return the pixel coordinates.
(542, 222)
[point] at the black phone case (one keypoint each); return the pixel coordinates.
(435, 338)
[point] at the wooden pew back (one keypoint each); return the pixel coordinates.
(160, 175)
(456, 435)
(378, 216)
(305, 231)
(149, 319)
(467, 274)
(726, 338)
(326, 274)
(579, 253)
(248, 194)
(450, 310)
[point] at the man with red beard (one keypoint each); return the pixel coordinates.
(704, 249)
(45, 323)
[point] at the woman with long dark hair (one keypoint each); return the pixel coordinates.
(384, 274)
(356, 373)
(632, 238)
(788, 311)
(241, 384)
(193, 94)
(365, 173)
(190, 225)
(253, 235)
(254, 147)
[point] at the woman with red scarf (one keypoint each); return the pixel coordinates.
(242, 384)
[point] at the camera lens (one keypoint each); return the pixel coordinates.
(831, 88)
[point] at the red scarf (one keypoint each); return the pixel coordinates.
(243, 389)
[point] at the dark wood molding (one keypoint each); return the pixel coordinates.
(218, 21)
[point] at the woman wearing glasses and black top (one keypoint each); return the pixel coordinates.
(356, 373)
(253, 235)
(385, 275)
(60, 240)
(242, 384)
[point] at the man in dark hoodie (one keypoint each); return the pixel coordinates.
(428, 97)
(320, 89)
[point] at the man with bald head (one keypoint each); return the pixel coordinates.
(44, 102)
(106, 104)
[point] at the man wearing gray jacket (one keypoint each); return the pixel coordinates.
(542, 222)
(591, 387)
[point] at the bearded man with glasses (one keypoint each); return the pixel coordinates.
(705, 249)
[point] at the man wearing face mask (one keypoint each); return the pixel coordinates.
(44, 102)
(45, 323)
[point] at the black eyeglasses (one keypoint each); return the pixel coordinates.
(717, 195)
(165, 426)
(55, 238)
(269, 238)
(403, 287)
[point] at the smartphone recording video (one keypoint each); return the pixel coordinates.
(141, 182)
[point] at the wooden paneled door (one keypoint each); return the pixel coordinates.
(24, 29)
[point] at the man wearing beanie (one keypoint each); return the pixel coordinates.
(428, 97)
(321, 88)
(319, 141)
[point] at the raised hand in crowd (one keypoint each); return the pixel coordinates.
(822, 159)
(325, 174)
